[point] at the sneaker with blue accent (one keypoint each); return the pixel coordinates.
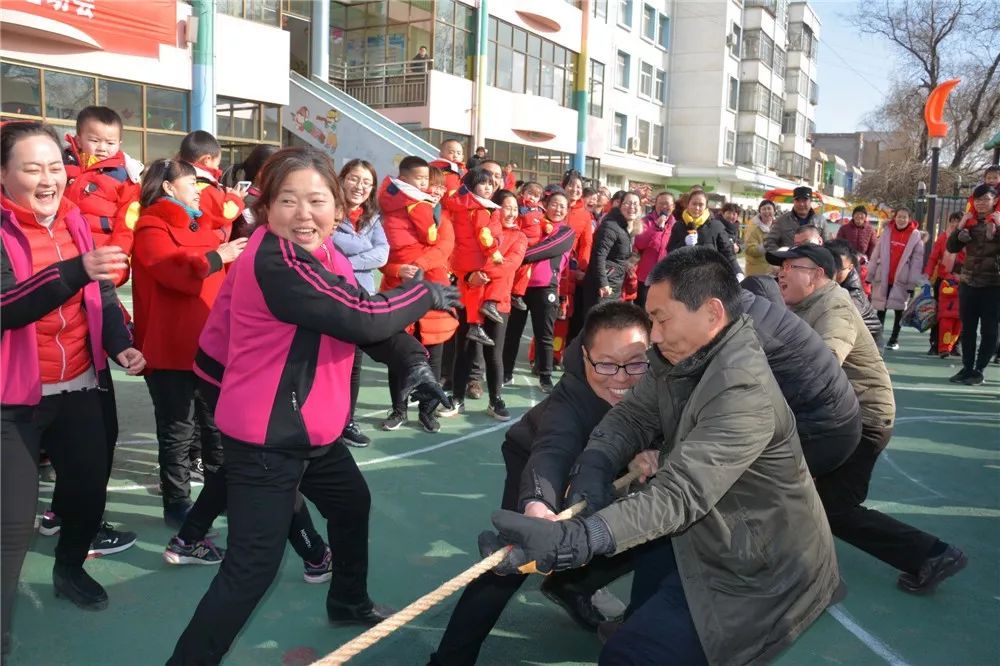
(200, 552)
(320, 572)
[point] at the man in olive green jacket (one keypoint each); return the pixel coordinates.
(807, 287)
(740, 558)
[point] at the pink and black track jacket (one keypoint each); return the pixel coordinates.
(293, 325)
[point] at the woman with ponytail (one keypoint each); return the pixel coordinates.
(698, 227)
(248, 170)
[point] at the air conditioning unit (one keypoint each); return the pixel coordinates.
(633, 144)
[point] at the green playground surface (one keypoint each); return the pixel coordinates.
(433, 493)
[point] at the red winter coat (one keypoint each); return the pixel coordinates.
(862, 238)
(218, 207)
(477, 230)
(941, 264)
(404, 221)
(177, 274)
(581, 221)
(453, 172)
(107, 197)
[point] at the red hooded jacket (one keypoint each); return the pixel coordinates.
(220, 208)
(477, 230)
(453, 172)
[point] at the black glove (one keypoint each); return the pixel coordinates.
(423, 385)
(445, 296)
(543, 546)
(591, 479)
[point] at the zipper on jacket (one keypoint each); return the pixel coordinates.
(62, 350)
(298, 413)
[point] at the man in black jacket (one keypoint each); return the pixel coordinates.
(539, 452)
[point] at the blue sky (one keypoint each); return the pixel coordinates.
(854, 70)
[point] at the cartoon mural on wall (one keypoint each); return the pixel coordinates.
(325, 134)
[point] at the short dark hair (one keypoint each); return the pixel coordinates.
(841, 248)
(553, 191)
(14, 131)
(956, 215)
(900, 210)
(102, 114)
(615, 315)
(369, 207)
(589, 192)
(859, 209)
(766, 202)
(696, 274)
(250, 167)
(530, 185)
(475, 177)
(287, 161)
(809, 228)
(156, 174)
(482, 162)
(500, 195)
(199, 144)
(993, 168)
(735, 207)
(411, 162)
(983, 190)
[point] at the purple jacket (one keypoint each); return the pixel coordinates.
(293, 322)
(862, 239)
(26, 298)
(652, 244)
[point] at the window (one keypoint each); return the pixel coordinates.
(600, 9)
(656, 145)
(649, 23)
(751, 150)
(643, 137)
(730, 155)
(777, 107)
(793, 164)
(534, 162)
(625, 13)
(623, 71)
(524, 63)
(454, 37)
(734, 91)
(237, 118)
(772, 156)
(778, 63)
(796, 81)
(801, 38)
(660, 87)
(735, 41)
(758, 46)
(788, 123)
(664, 31)
(813, 92)
(596, 80)
(755, 98)
(155, 119)
(621, 131)
(645, 79)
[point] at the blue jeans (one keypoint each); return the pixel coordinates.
(658, 627)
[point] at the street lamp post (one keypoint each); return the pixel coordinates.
(921, 200)
(937, 129)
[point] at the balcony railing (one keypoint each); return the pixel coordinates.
(384, 85)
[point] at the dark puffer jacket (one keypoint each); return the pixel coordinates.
(609, 259)
(712, 234)
(554, 432)
(813, 383)
(982, 255)
(865, 308)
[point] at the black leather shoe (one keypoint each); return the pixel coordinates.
(75, 584)
(366, 613)
(933, 571)
(579, 606)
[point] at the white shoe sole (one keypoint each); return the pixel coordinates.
(49, 531)
(171, 557)
(498, 417)
(324, 578)
(109, 551)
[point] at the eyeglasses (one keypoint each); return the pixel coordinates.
(610, 369)
(801, 268)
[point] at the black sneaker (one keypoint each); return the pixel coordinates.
(960, 376)
(474, 390)
(200, 552)
(396, 418)
(198, 470)
(429, 422)
(109, 541)
(498, 410)
(319, 572)
(518, 303)
(545, 383)
(489, 310)
(477, 334)
(893, 345)
(50, 524)
(933, 351)
(353, 436)
(974, 378)
(933, 571)
(365, 613)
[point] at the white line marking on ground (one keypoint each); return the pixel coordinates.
(873, 643)
(441, 445)
(948, 418)
(33, 597)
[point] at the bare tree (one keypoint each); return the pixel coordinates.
(939, 40)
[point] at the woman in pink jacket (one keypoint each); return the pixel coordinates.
(651, 244)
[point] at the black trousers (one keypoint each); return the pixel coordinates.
(261, 487)
(18, 498)
(579, 313)
(843, 491)
(897, 322)
(182, 418)
(979, 309)
(435, 354)
(468, 352)
(543, 306)
(71, 429)
(640, 298)
(355, 381)
(483, 601)
(658, 627)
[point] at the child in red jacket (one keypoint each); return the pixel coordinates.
(531, 221)
(450, 161)
(102, 180)
(220, 205)
(477, 245)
